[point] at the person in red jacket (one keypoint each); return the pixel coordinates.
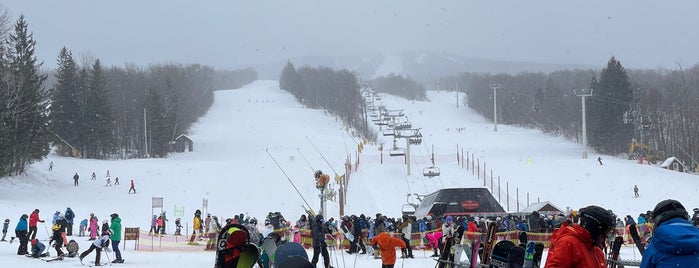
(33, 219)
(387, 244)
(580, 245)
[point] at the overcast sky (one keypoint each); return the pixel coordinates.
(230, 33)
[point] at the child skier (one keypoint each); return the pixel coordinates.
(5, 225)
(178, 226)
(83, 227)
(98, 245)
(38, 249)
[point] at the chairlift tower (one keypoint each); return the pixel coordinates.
(586, 92)
(495, 105)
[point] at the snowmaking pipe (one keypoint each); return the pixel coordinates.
(304, 159)
(321, 155)
(287, 177)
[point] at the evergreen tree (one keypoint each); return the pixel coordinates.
(158, 137)
(26, 116)
(612, 96)
(99, 118)
(65, 113)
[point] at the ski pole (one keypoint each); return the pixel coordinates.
(47, 230)
(321, 155)
(287, 177)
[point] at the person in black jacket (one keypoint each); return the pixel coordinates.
(58, 229)
(358, 242)
(319, 245)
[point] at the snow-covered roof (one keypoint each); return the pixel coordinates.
(541, 206)
(182, 136)
(669, 161)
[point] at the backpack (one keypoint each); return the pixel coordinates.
(73, 248)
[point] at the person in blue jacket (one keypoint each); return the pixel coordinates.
(21, 233)
(675, 241)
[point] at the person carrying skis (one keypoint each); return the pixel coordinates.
(580, 245)
(115, 229)
(675, 240)
(22, 235)
(387, 245)
(97, 246)
(5, 226)
(33, 219)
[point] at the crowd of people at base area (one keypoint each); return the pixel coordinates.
(61, 228)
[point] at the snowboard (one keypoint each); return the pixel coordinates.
(248, 256)
(500, 254)
(488, 243)
(636, 238)
(616, 248)
(529, 255)
(347, 233)
(446, 252)
(538, 252)
(288, 250)
(474, 253)
(269, 245)
(516, 258)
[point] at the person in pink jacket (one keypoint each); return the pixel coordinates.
(94, 224)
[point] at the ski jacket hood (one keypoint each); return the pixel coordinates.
(571, 246)
(22, 225)
(675, 243)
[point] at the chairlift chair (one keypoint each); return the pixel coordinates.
(415, 140)
(396, 151)
(430, 171)
(646, 123)
(408, 210)
(389, 132)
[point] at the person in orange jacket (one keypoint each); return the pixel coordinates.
(387, 245)
(580, 245)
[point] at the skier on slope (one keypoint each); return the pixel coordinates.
(5, 226)
(33, 220)
(115, 236)
(319, 246)
(635, 190)
(22, 235)
(94, 226)
(69, 216)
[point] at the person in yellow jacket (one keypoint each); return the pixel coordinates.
(387, 244)
(196, 223)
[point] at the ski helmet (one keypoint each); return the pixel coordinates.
(598, 221)
(317, 174)
(253, 221)
(668, 209)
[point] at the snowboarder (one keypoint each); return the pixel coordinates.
(5, 225)
(599, 159)
(675, 241)
(133, 187)
(115, 230)
(635, 190)
(97, 245)
(75, 179)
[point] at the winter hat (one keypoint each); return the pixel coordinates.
(24, 216)
(596, 220)
(449, 219)
(36, 210)
(319, 218)
(668, 209)
(114, 215)
(33, 242)
(7, 220)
